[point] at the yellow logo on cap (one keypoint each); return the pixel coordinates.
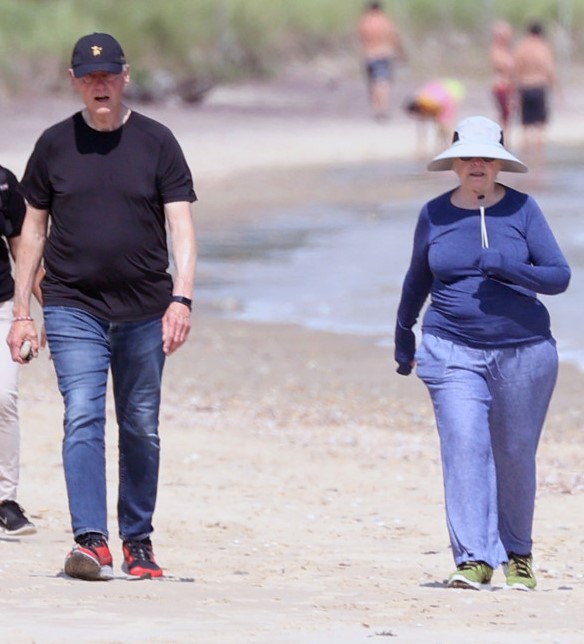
(96, 50)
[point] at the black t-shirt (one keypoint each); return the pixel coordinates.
(106, 250)
(11, 218)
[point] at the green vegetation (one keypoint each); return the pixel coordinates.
(226, 39)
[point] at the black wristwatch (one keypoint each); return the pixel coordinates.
(181, 299)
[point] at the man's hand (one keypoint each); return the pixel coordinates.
(176, 326)
(20, 332)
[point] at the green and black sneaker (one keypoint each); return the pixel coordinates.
(519, 572)
(471, 575)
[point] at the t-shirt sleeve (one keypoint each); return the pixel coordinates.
(174, 175)
(15, 208)
(35, 185)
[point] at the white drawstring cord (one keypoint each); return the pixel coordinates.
(484, 236)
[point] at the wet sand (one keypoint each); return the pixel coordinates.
(301, 495)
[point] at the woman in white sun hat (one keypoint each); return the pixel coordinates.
(481, 253)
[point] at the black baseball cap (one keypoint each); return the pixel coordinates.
(97, 52)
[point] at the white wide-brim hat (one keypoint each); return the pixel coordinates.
(477, 136)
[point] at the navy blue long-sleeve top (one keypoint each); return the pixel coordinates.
(482, 298)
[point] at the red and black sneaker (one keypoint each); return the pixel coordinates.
(139, 559)
(90, 558)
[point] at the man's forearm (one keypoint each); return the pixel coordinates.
(28, 260)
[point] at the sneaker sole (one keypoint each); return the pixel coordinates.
(519, 586)
(145, 574)
(25, 531)
(459, 581)
(81, 566)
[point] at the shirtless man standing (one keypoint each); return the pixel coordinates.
(535, 77)
(501, 58)
(381, 46)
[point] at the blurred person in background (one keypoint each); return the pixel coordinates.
(501, 59)
(382, 47)
(101, 188)
(436, 102)
(535, 78)
(482, 253)
(13, 520)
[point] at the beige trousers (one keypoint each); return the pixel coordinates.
(9, 427)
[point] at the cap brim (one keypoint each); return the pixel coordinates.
(110, 68)
(489, 151)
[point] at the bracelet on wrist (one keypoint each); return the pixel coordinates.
(181, 299)
(22, 318)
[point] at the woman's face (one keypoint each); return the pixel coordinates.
(476, 173)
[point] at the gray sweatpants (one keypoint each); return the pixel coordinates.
(490, 406)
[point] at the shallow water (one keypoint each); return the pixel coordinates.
(340, 269)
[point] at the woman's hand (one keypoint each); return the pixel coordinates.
(490, 262)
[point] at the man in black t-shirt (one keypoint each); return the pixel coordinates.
(108, 180)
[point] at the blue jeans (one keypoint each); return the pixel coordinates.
(490, 406)
(84, 348)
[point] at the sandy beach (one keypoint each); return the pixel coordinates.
(300, 496)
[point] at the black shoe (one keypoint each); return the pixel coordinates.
(13, 522)
(139, 559)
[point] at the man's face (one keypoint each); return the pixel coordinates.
(101, 91)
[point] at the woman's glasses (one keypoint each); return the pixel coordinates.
(485, 159)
